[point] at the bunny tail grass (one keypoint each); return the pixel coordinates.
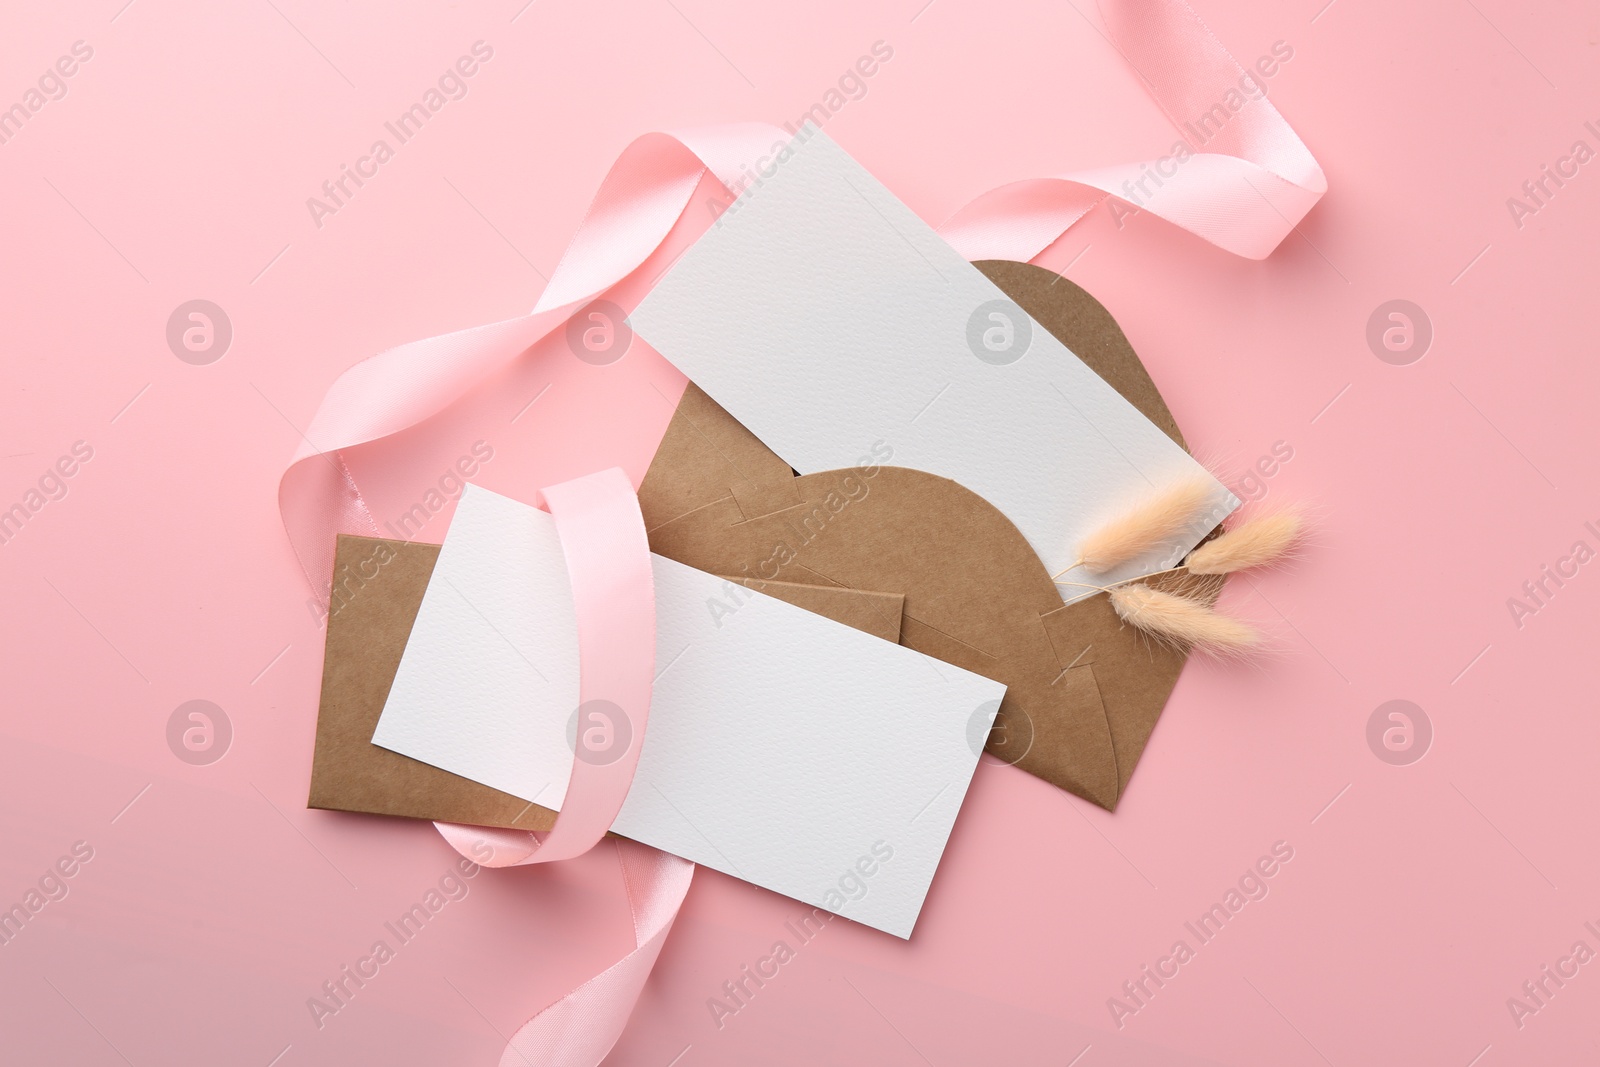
(1160, 517)
(1253, 543)
(1182, 621)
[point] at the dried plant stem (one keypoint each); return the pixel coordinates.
(1073, 566)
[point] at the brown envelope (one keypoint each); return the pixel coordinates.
(377, 589)
(888, 550)
(1083, 692)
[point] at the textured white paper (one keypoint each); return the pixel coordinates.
(826, 316)
(782, 746)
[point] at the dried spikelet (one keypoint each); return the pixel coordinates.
(1253, 543)
(1159, 518)
(1181, 621)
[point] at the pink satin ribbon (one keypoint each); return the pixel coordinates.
(613, 591)
(1252, 183)
(608, 563)
(1245, 191)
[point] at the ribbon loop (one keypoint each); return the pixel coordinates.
(608, 563)
(608, 559)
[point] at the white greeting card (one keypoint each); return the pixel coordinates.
(782, 748)
(824, 315)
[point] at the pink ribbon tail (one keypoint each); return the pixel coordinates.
(582, 1026)
(608, 562)
(1243, 180)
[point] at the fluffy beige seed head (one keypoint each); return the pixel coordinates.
(1157, 519)
(1181, 621)
(1253, 543)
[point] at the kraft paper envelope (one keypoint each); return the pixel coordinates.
(377, 589)
(833, 323)
(1083, 691)
(783, 748)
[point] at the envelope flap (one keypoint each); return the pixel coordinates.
(706, 456)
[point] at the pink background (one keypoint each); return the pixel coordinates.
(1419, 898)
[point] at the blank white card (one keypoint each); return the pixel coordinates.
(824, 315)
(783, 748)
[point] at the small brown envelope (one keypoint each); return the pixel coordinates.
(377, 591)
